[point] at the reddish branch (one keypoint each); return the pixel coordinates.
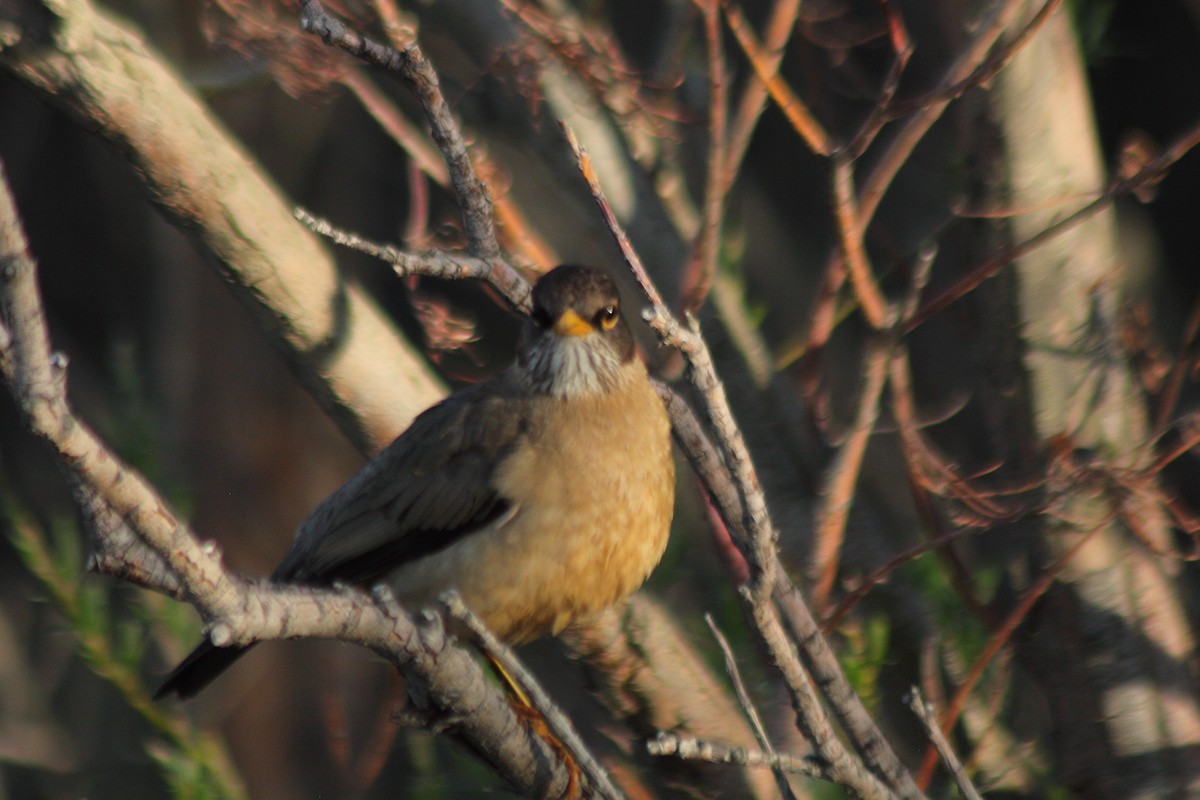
(702, 262)
(754, 95)
(876, 771)
(996, 642)
(766, 67)
(982, 73)
(1151, 172)
(903, 48)
(842, 478)
(913, 129)
(851, 228)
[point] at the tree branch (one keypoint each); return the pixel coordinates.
(447, 680)
(411, 65)
(341, 348)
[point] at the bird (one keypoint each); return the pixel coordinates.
(543, 494)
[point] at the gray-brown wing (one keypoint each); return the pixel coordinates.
(429, 488)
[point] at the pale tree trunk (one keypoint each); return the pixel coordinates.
(1115, 647)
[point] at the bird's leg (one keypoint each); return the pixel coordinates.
(532, 718)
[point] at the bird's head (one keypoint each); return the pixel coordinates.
(576, 341)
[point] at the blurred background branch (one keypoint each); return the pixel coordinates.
(992, 482)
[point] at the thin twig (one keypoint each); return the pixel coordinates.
(706, 462)
(691, 748)
(931, 469)
(844, 701)
(630, 255)
(513, 228)
(826, 313)
(240, 611)
(881, 574)
(999, 639)
(811, 718)
(743, 696)
(756, 521)
(755, 94)
(850, 230)
(1152, 171)
(342, 348)
(412, 140)
(702, 262)
(766, 67)
(900, 146)
(838, 495)
(592, 54)
(433, 263)
(1169, 396)
(556, 720)
(926, 715)
(983, 73)
(411, 65)
(757, 537)
(878, 117)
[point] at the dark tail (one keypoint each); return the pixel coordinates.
(199, 669)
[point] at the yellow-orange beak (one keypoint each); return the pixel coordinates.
(571, 324)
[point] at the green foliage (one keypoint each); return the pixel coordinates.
(961, 630)
(111, 639)
(864, 654)
(1093, 24)
(132, 425)
(187, 777)
(729, 267)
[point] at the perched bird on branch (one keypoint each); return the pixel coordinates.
(543, 494)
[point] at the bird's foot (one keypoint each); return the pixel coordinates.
(534, 720)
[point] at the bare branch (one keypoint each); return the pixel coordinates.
(1152, 171)
(434, 263)
(810, 715)
(688, 747)
(755, 521)
(514, 230)
(610, 219)
(838, 493)
(985, 71)
(851, 229)
(743, 696)
(651, 677)
(865, 734)
(758, 538)
(411, 65)
(912, 130)
(903, 48)
(241, 611)
(702, 263)
(115, 549)
(999, 639)
(754, 95)
(924, 712)
(766, 68)
(342, 349)
(556, 720)
(845, 703)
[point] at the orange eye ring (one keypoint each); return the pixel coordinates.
(607, 317)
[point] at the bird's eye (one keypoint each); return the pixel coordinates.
(607, 317)
(541, 317)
